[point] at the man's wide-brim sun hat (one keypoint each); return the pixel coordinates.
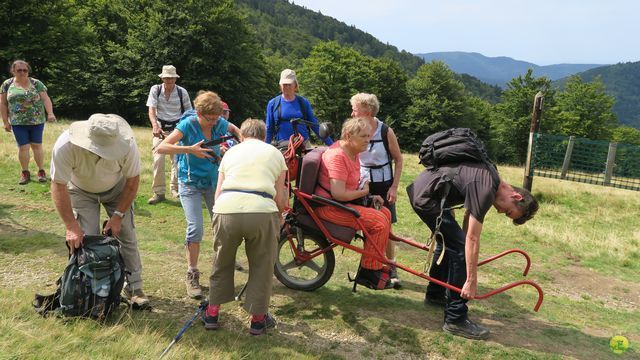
(169, 71)
(106, 135)
(288, 76)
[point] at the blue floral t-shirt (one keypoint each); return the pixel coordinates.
(193, 171)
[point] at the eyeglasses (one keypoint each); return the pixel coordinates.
(209, 117)
(22, 70)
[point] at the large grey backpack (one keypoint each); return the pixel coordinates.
(91, 283)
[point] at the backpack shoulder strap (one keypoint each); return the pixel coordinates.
(180, 96)
(303, 109)
(384, 133)
(278, 114)
(305, 112)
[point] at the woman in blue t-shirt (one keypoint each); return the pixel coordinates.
(197, 171)
(282, 108)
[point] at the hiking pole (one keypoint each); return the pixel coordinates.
(239, 296)
(203, 305)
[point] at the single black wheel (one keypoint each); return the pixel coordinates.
(299, 274)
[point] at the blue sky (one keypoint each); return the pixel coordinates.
(542, 32)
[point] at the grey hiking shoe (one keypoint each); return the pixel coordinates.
(42, 176)
(136, 298)
(260, 327)
(193, 284)
(25, 177)
(467, 329)
(156, 198)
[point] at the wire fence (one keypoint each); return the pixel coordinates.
(586, 161)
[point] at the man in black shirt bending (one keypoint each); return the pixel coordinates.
(477, 186)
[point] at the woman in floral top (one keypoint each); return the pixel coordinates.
(23, 101)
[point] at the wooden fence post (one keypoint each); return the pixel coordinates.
(535, 126)
(567, 157)
(611, 159)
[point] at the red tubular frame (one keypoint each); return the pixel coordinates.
(301, 257)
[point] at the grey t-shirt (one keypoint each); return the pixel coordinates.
(474, 186)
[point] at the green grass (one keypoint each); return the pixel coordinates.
(584, 244)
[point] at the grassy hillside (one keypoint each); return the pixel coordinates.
(584, 243)
(290, 31)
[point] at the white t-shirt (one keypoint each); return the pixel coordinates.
(252, 165)
(376, 155)
(88, 171)
(168, 110)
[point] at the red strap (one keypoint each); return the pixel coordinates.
(384, 278)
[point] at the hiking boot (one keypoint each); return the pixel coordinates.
(435, 300)
(136, 298)
(393, 277)
(259, 327)
(25, 177)
(156, 198)
(42, 176)
(209, 320)
(193, 284)
(373, 279)
(467, 329)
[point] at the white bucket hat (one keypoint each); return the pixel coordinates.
(169, 71)
(288, 76)
(106, 135)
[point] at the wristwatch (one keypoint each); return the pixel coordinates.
(119, 213)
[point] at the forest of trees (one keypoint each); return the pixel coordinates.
(103, 56)
(621, 81)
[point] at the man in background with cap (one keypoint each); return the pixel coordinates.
(167, 102)
(283, 108)
(97, 162)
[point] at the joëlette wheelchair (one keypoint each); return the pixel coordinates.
(305, 259)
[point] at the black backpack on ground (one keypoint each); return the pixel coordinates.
(452, 146)
(91, 283)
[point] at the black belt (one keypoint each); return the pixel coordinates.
(168, 125)
(260, 193)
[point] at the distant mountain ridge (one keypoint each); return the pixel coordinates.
(500, 70)
(621, 81)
